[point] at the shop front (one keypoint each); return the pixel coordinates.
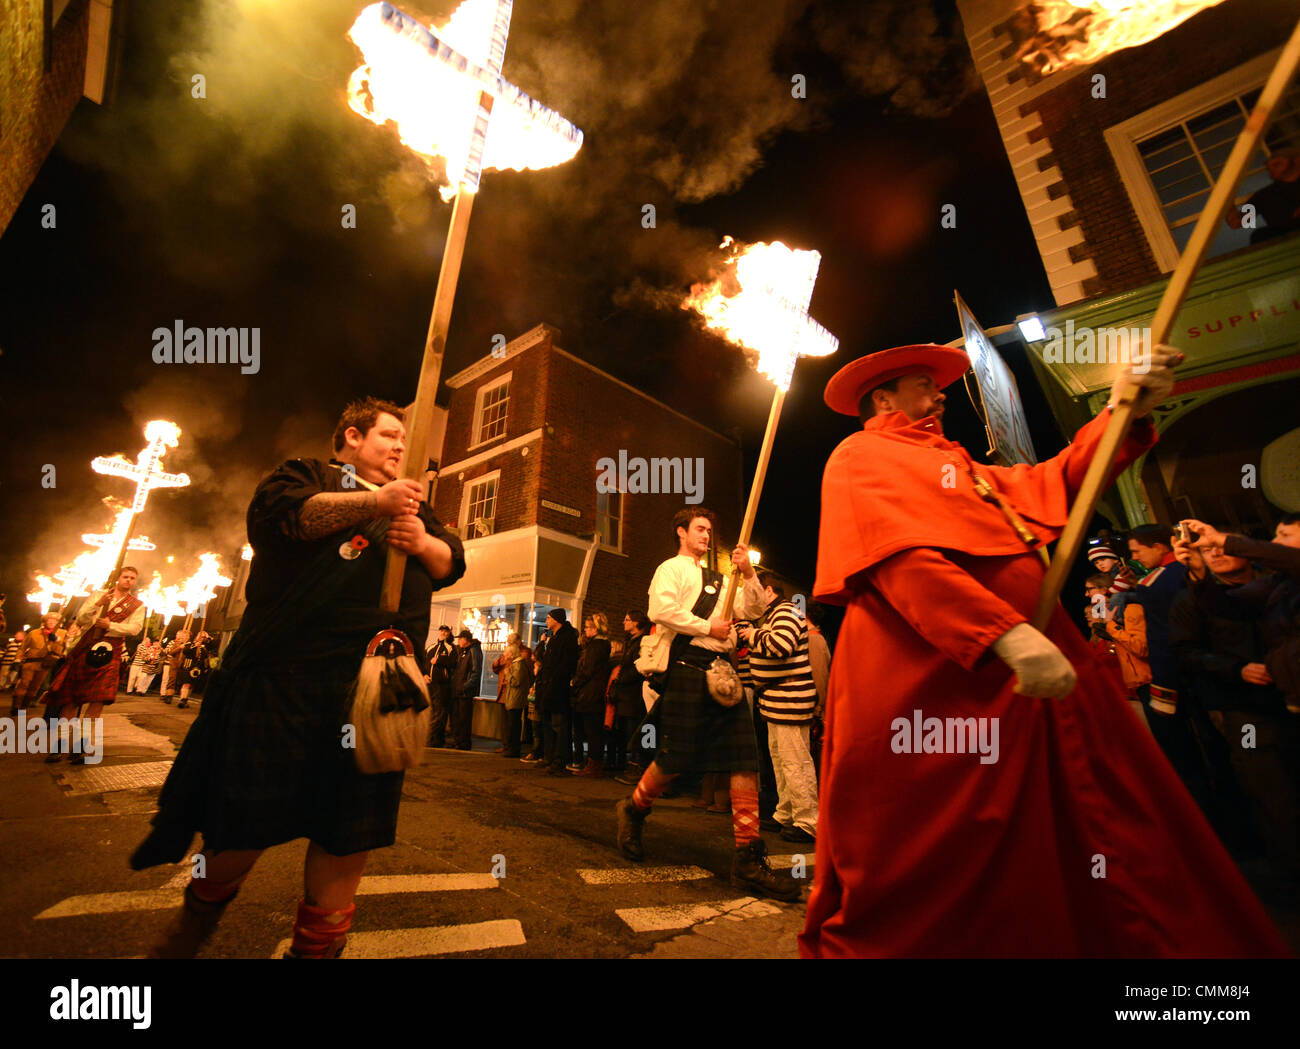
(1228, 435)
(512, 581)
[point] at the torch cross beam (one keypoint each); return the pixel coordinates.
(1098, 477)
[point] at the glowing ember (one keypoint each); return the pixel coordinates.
(761, 302)
(246, 554)
(1056, 34)
(428, 85)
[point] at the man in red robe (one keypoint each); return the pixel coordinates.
(986, 792)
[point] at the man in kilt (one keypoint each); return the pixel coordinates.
(90, 676)
(695, 733)
(267, 759)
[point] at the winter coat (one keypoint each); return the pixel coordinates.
(559, 662)
(591, 676)
(516, 681)
(467, 673)
(627, 686)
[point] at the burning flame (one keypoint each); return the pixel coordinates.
(761, 302)
(113, 539)
(201, 587)
(487, 631)
(146, 472)
(1056, 34)
(246, 553)
(428, 84)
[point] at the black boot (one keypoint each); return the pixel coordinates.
(750, 870)
(191, 928)
(630, 821)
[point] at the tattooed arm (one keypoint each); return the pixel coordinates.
(328, 512)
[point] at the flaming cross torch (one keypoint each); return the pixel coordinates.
(761, 303)
(147, 473)
(447, 97)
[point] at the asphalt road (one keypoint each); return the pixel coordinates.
(493, 859)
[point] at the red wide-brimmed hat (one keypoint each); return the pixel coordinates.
(848, 385)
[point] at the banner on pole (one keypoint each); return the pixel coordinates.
(1004, 415)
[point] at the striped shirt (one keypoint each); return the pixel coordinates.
(779, 662)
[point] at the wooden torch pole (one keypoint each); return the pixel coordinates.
(435, 344)
(755, 490)
(1098, 477)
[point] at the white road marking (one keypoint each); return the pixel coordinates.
(657, 919)
(627, 876)
(169, 895)
(438, 939)
(374, 886)
(116, 902)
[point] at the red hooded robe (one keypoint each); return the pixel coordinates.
(1079, 840)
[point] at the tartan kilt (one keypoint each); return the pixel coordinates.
(264, 764)
(694, 732)
(85, 684)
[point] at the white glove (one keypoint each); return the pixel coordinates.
(1041, 669)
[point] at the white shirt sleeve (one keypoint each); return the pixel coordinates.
(751, 603)
(668, 604)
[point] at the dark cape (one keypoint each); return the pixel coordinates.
(264, 762)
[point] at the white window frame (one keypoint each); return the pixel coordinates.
(479, 397)
(617, 545)
(1122, 139)
(470, 485)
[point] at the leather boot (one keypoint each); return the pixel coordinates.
(630, 821)
(751, 871)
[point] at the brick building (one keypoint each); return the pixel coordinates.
(1115, 159)
(52, 54)
(525, 435)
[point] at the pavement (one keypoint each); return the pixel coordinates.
(493, 859)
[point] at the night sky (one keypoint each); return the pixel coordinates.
(226, 212)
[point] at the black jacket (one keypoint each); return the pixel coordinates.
(627, 687)
(442, 660)
(1212, 649)
(591, 676)
(559, 662)
(468, 671)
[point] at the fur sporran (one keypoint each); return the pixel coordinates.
(724, 683)
(389, 707)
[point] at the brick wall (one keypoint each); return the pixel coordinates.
(517, 486)
(1138, 79)
(36, 104)
(586, 416)
(593, 418)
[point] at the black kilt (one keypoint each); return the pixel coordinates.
(264, 764)
(694, 732)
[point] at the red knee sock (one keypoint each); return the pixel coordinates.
(316, 931)
(650, 786)
(744, 815)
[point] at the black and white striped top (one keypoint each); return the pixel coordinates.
(778, 660)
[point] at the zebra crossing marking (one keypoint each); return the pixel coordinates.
(392, 883)
(638, 875)
(683, 916)
(436, 939)
(118, 902)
